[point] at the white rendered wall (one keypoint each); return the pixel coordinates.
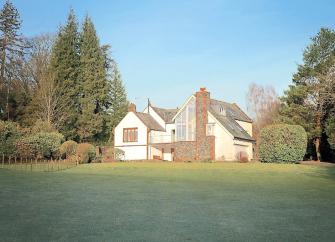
(247, 145)
(133, 150)
(224, 141)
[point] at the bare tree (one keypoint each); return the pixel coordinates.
(263, 105)
(49, 106)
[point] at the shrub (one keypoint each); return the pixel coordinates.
(85, 152)
(9, 134)
(119, 154)
(40, 145)
(43, 127)
(68, 148)
(282, 143)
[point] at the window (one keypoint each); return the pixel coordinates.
(210, 129)
(185, 123)
(222, 111)
(130, 135)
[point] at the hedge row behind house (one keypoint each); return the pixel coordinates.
(282, 143)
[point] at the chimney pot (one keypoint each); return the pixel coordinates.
(202, 89)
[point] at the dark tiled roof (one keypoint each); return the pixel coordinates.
(231, 125)
(231, 109)
(165, 114)
(149, 121)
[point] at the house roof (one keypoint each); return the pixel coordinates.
(231, 110)
(231, 125)
(166, 114)
(149, 121)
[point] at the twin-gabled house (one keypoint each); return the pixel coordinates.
(201, 129)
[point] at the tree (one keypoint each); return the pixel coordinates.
(64, 65)
(94, 88)
(118, 100)
(35, 76)
(9, 133)
(308, 101)
(12, 46)
(263, 104)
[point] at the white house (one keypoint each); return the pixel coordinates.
(201, 129)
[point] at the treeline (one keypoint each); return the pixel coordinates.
(65, 82)
(309, 101)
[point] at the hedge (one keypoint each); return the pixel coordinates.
(282, 143)
(68, 148)
(86, 152)
(40, 145)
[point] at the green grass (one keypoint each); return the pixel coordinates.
(169, 202)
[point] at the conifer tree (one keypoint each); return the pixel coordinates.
(309, 101)
(65, 69)
(94, 85)
(118, 100)
(12, 46)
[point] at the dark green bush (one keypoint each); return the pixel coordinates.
(85, 153)
(68, 148)
(282, 143)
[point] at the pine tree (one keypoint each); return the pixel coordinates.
(65, 68)
(12, 46)
(94, 88)
(308, 101)
(118, 100)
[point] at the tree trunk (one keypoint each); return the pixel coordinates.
(317, 140)
(3, 63)
(317, 148)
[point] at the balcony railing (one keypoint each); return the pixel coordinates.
(157, 139)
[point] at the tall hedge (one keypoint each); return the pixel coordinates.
(282, 143)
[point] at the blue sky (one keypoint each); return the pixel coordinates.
(166, 50)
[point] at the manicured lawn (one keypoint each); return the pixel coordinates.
(169, 202)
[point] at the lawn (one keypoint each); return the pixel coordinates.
(169, 202)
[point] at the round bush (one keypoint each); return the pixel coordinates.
(68, 148)
(282, 143)
(85, 152)
(40, 145)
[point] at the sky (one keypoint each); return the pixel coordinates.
(167, 50)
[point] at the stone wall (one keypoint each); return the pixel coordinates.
(185, 150)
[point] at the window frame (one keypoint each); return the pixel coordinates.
(130, 135)
(210, 129)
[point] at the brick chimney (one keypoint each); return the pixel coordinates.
(132, 107)
(202, 105)
(205, 145)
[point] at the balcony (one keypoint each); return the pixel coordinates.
(160, 139)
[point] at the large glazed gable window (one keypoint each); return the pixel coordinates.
(130, 135)
(185, 122)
